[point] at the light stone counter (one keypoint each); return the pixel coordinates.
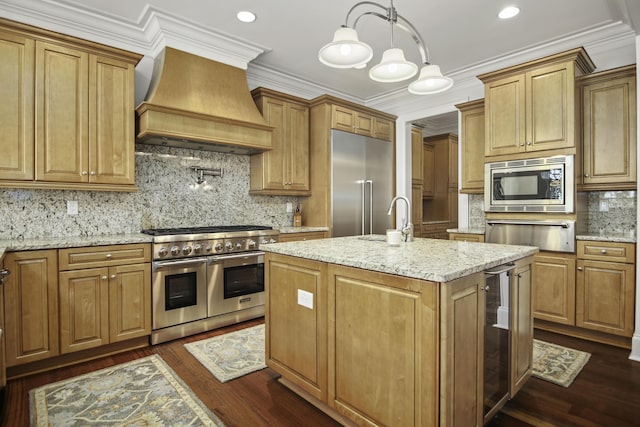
(609, 237)
(466, 230)
(72, 242)
(426, 259)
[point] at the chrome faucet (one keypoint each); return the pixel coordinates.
(407, 227)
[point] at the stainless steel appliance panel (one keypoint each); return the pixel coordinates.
(548, 235)
(235, 282)
(361, 184)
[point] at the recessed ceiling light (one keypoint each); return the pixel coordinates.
(246, 16)
(508, 12)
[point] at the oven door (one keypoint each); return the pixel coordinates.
(179, 291)
(236, 282)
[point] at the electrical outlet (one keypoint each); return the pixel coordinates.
(289, 207)
(305, 299)
(604, 206)
(72, 207)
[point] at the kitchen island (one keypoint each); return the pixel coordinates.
(380, 335)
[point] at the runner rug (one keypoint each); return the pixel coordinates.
(231, 355)
(557, 364)
(142, 392)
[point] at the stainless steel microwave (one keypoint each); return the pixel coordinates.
(530, 185)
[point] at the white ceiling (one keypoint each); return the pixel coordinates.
(460, 34)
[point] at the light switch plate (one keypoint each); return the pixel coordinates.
(72, 207)
(289, 207)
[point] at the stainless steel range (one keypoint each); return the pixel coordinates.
(206, 277)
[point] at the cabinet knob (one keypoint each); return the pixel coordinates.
(529, 143)
(84, 173)
(113, 276)
(579, 268)
(104, 277)
(604, 251)
(586, 175)
(93, 172)
(522, 144)
(109, 255)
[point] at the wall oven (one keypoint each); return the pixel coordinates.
(206, 277)
(530, 185)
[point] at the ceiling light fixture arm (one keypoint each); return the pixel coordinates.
(395, 19)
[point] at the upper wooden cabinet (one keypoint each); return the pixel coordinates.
(76, 130)
(362, 123)
(416, 156)
(609, 130)
(472, 151)
(284, 169)
(532, 107)
(428, 170)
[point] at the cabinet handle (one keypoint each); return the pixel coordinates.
(104, 277)
(113, 276)
(604, 251)
(579, 268)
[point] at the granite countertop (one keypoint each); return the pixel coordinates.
(303, 229)
(470, 230)
(72, 242)
(620, 237)
(426, 259)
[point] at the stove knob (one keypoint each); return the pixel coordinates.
(218, 247)
(239, 246)
(186, 250)
(264, 241)
(273, 241)
(252, 244)
(175, 250)
(162, 251)
(197, 248)
(207, 248)
(228, 246)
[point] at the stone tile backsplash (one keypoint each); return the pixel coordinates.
(476, 210)
(167, 196)
(611, 211)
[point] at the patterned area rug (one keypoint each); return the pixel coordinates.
(557, 364)
(231, 355)
(142, 392)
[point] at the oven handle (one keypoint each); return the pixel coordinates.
(218, 258)
(171, 263)
(563, 224)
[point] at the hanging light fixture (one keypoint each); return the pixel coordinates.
(347, 51)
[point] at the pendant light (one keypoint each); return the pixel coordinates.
(347, 51)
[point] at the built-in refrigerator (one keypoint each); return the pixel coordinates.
(361, 184)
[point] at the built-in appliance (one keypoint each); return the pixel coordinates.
(3, 374)
(361, 184)
(548, 235)
(206, 277)
(530, 185)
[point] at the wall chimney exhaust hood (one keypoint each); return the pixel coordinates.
(195, 102)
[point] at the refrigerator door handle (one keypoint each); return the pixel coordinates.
(362, 185)
(370, 182)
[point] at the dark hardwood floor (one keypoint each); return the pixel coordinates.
(606, 393)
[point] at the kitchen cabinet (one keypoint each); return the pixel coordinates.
(429, 170)
(31, 306)
(472, 124)
(285, 168)
(609, 124)
(105, 295)
(78, 132)
(362, 123)
(554, 287)
(308, 235)
(522, 327)
(417, 174)
(532, 107)
(3, 333)
(17, 53)
(605, 287)
(442, 206)
(435, 230)
(467, 237)
(416, 209)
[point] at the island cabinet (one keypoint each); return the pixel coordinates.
(472, 136)
(377, 349)
(31, 306)
(69, 118)
(105, 295)
(609, 123)
(284, 169)
(533, 107)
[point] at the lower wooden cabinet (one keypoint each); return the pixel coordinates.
(108, 304)
(310, 235)
(467, 237)
(554, 287)
(31, 306)
(522, 327)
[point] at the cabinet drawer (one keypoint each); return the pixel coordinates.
(607, 251)
(103, 256)
(467, 237)
(292, 237)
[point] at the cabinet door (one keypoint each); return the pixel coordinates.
(505, 116)
(363, 124)
(272, 163)
(554, 289)
(31, 306)
(472, 140)
(416, 157)
(428, 170)
(343, 118)
(416, 209)
(84, 309)
(296, 333)
(522, 328)
(62, 115)
(297, 137)
(605, 297)
(383, 129)
(17, 65)
(111, 121)
(129, 301)
(551, 105)
(462, 338)
(609, 133)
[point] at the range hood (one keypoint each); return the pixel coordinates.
(195, 102)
